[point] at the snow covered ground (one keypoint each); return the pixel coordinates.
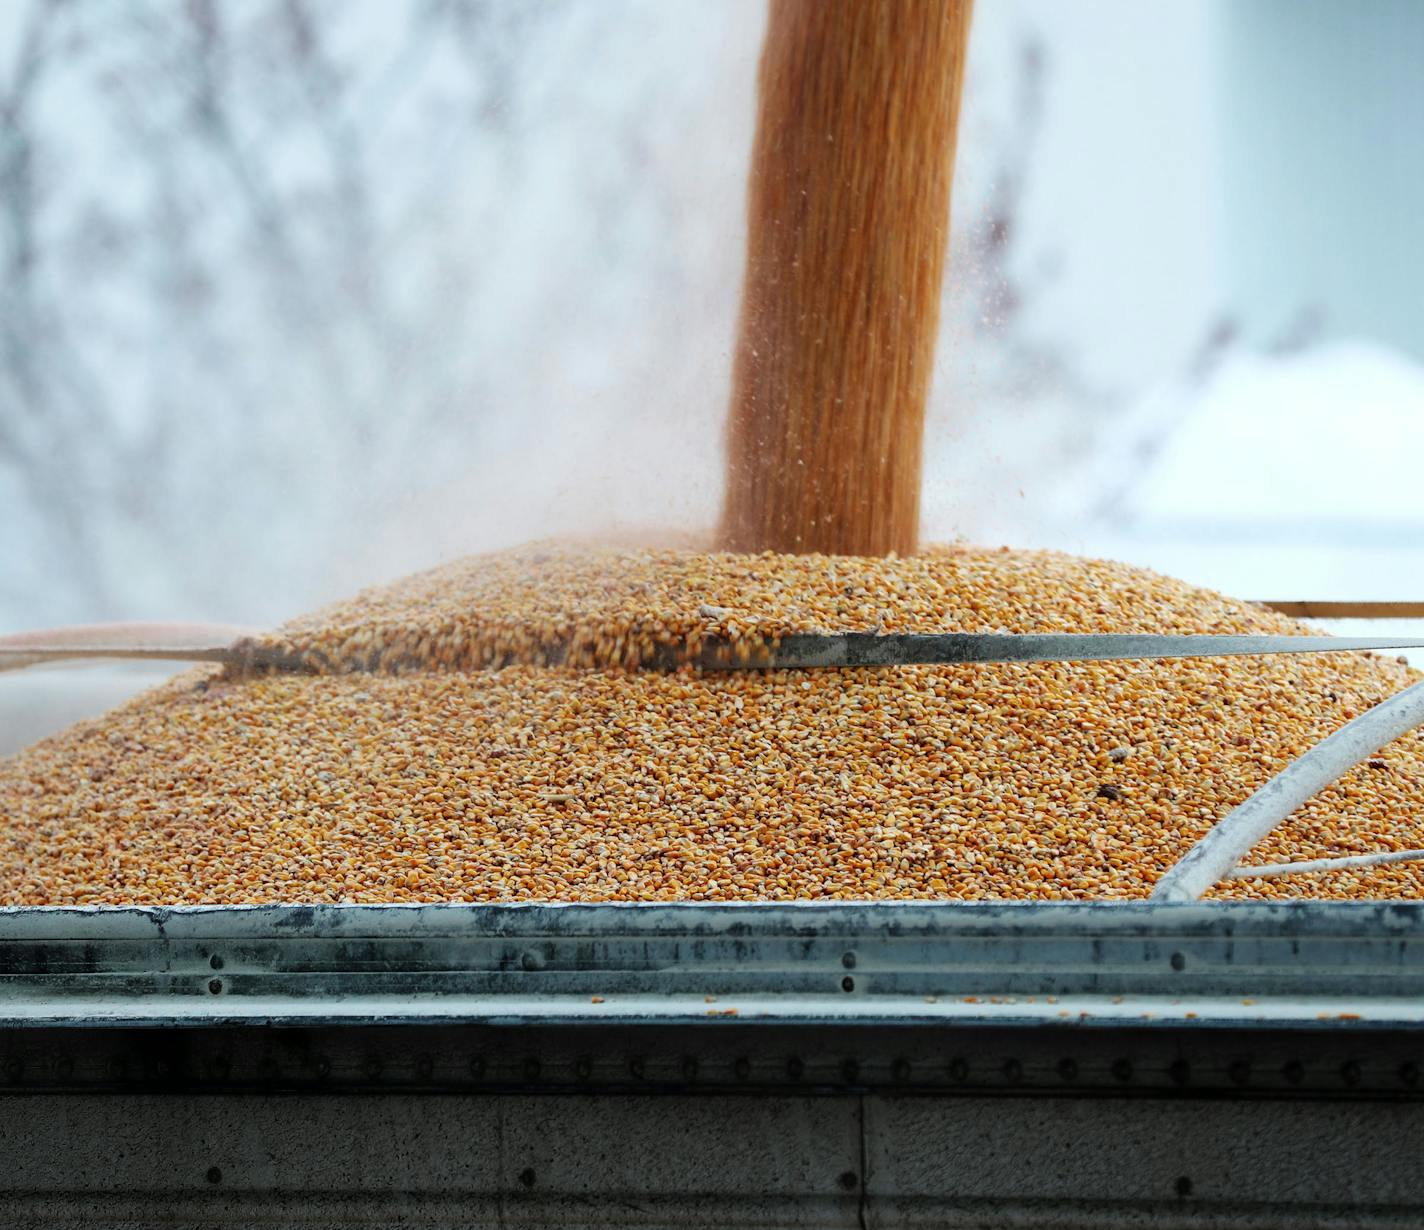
(1284, 478)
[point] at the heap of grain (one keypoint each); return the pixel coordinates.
(412, 770)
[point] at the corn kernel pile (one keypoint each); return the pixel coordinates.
(408, 771)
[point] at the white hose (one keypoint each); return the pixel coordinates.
(1220, 850)
(1265, 871)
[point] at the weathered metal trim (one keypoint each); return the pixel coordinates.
(822, 1059)
(1302, 965)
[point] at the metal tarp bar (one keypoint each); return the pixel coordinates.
(1296, 964)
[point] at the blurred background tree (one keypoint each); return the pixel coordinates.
(272, 269)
